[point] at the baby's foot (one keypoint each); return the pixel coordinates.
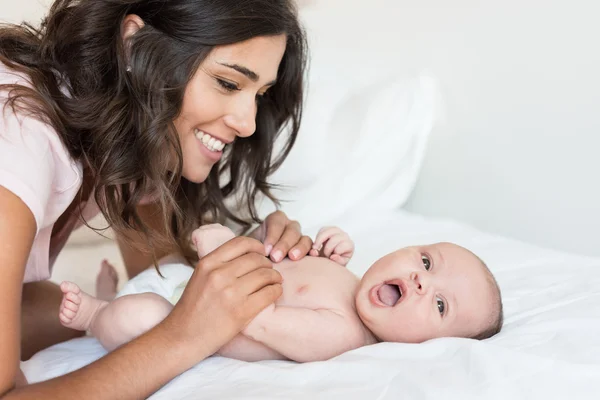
(106, 282)
(78, 309)
(208, 237)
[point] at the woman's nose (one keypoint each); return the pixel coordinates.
(242, 118)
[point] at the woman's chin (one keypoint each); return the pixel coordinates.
(198, 175)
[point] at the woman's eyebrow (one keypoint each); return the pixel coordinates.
(253, 76)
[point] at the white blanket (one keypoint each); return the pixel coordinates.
(549, 347)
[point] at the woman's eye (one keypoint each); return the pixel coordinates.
(230, 87)
(441, 306)
(426, 262)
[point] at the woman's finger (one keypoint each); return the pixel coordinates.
(248, 263)
(275, 224)
(260, 299)
(231, 250)
(290, 237)
(301, 248)
(258, 279)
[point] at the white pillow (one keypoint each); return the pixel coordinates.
(357, 145)
(368, 114)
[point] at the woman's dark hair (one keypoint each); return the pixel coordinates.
(120, 124)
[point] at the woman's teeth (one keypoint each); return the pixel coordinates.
(210, 142)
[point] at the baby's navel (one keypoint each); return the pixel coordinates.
(302, 289)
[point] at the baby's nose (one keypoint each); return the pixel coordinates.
(419, 282)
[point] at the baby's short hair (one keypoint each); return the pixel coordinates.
(496, 319)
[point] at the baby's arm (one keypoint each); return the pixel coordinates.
(305, 335)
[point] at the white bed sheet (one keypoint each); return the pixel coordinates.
(549, 347)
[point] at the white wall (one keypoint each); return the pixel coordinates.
(520, 151)
(15, 11)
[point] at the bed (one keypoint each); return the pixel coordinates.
(549, 347)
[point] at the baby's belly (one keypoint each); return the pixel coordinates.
(316, 282)
(309, 283)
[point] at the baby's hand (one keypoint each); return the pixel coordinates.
(334, 243)
(209, 237)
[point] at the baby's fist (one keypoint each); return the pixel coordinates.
(333, 243)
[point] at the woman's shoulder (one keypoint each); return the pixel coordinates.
(34, 163)
(25, 131)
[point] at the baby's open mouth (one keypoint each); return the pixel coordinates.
(389, 294)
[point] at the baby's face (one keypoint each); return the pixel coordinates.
(420, 293)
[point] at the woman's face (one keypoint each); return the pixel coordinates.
(220, 101)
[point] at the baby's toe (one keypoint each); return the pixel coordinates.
(68, 313)
(71, 306)
(69, 287)
(73, 298)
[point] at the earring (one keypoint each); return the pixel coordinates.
(128, 69)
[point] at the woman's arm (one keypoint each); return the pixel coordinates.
(17, 231)
(133, 371)
(128, 373)
(227, 289)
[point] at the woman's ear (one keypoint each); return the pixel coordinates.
(131, 24)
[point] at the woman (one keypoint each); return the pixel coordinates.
(154, 112)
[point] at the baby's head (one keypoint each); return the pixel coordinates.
(426, 292)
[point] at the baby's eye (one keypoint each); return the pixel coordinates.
(441, 306)
(426, 262)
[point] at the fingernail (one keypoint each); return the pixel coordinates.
(268, 249)
(277, 255)
(295, 253)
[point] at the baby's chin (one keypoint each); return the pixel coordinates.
(386, 334)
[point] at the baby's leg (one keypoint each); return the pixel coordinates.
(114, 323)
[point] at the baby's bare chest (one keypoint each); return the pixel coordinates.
(317, 283)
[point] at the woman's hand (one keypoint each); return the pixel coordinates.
(228, 288)
(282, 237)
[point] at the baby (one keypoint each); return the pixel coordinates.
(411, 295)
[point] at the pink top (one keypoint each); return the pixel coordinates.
(36, 166)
